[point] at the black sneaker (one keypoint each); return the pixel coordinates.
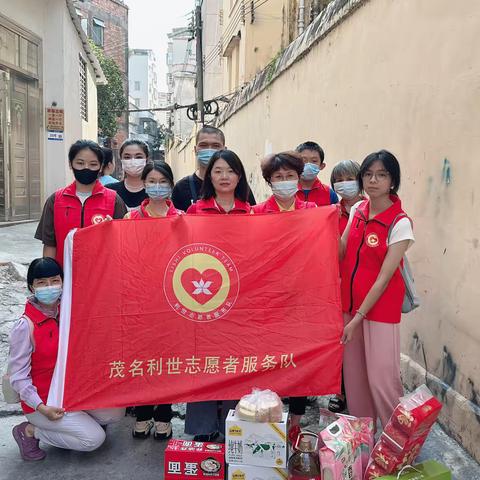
(206, 438)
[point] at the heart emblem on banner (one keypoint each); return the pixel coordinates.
(201, 286)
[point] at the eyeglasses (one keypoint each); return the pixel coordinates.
(380, 176)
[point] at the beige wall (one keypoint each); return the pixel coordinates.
(402, 75)
(260, 41)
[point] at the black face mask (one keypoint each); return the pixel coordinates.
(85, 176)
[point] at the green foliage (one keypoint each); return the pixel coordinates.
(111, 97)
(160, 138)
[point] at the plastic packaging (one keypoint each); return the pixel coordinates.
(260, 406)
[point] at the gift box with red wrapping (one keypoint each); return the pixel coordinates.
(405, 433)
(189, 459)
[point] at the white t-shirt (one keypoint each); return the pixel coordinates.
(401, 231)
(83, 196)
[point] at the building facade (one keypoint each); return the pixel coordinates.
(181, 63)
(106, 23)
(48, 100)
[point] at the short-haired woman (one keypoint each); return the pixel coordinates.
(282, 172)
(32, 359)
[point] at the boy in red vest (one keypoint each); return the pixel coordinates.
(310, 188)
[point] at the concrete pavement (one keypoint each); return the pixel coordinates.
(123, 457)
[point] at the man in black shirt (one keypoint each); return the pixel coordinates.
(187, 190)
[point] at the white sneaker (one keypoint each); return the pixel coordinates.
(142, 429)
(163, 430)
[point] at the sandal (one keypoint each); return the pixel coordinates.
(337, 405)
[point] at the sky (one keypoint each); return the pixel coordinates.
(150, 21)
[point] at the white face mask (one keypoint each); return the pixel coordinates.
(134, 166)
(348, 189)
(285, 190)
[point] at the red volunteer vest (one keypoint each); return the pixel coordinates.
(319, 194)
(69, 213)
(271, 206)
(364, 256)
(344, 215)
(44, 356)
(210, 206)
(141, 211)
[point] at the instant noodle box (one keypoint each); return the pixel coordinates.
(250, 472)
(251, 443)
(189, 459)
(429, 470)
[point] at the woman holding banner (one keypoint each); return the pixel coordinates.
(82, 203)
(33, 354)
(224, 191)
(282, 172)
(377, 236)
(158, 181)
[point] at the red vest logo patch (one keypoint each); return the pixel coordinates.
(372, 240)
(97, 218)
(201, 283)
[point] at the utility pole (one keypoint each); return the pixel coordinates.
(199, 55)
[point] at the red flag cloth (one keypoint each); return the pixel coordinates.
(194, 308)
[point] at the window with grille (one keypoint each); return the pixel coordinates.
(83, 88)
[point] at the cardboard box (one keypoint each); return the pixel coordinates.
(258, 444)
(429, 470)
(250, 472)
(189, 459)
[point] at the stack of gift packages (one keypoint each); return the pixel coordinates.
(256, 438)
(405, 433)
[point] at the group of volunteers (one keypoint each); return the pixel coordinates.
(375, 234)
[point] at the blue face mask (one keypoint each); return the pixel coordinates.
(310, 171)
(48, 295)
(158, 191)
(205, 155)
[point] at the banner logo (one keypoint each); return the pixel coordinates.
(201, 282)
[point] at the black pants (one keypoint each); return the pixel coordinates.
(297, 404)
(160, 413)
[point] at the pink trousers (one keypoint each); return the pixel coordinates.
(371, 370)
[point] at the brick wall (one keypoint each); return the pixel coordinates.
(114, 14)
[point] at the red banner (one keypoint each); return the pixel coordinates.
(195, 308)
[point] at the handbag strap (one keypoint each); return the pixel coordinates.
(407, 467)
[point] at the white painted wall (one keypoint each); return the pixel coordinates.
(61, 46)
